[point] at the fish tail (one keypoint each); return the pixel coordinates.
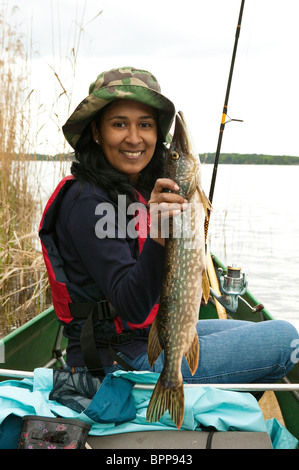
(165, 398)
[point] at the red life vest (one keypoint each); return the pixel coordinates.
(66, 294)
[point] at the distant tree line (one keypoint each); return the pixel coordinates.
(226, 158)
(52, 158)
(249, 159)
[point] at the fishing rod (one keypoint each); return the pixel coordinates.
(214, 282)
(224, 113)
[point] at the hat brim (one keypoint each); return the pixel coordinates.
(98, 99)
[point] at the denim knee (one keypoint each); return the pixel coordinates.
(288, 340)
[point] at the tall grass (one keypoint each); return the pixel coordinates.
(23, 283)
(24, 289)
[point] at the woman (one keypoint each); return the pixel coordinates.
(105, 279)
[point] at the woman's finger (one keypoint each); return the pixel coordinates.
(165, 183)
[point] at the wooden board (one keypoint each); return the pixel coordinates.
(270, 407)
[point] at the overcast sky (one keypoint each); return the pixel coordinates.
(188, 46)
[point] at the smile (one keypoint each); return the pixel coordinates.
(130, 154)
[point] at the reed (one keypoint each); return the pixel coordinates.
(23, 284)
(24, 288)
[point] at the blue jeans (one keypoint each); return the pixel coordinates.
(233, 351)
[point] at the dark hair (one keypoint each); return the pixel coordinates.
(91, 165)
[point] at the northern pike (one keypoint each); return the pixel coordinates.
(184, 282)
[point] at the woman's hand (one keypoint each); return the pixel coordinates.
(162, 206)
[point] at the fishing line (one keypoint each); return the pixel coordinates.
(224, 115)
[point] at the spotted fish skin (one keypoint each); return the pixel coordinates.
(184, 282)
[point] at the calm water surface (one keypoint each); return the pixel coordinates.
(255, 224)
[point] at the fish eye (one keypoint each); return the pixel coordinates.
(175, 155)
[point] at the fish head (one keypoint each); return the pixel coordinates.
(182, 163)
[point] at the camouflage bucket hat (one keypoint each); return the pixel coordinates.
(123, 83)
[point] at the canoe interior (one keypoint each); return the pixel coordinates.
(31, 346)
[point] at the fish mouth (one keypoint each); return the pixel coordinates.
(181, 138)
(182, 143)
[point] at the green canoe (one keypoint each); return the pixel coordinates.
(34, 344)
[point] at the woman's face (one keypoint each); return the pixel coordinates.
(127, 134)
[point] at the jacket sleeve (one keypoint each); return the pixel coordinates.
(105, 250)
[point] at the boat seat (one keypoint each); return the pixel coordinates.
(181, 440)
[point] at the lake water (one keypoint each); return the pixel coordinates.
(255, 224)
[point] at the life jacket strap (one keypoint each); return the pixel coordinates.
(92, 312)
(88, 345)
(120, 339)
(103, 310)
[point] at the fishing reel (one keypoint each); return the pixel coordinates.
(232, 286)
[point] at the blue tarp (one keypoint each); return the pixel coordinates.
(204, 406)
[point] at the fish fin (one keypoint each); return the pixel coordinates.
(162, 399)
(154, 347)
(192, 354)
(205, 200)
(205, 286)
